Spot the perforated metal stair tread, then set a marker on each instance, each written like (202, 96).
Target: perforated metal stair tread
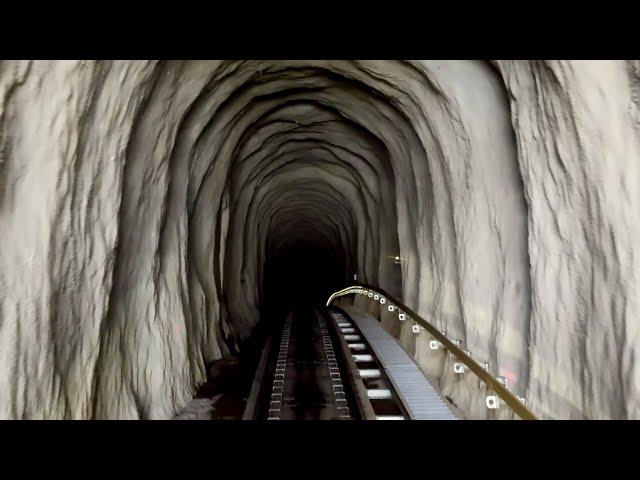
(418, 395)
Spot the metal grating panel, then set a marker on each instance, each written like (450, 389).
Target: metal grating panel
(418, 395)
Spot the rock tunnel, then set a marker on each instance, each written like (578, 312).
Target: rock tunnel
(154, 214)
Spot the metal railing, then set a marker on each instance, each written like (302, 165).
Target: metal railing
(403, 311)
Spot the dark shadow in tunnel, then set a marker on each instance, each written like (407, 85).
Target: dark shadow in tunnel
(301, 274)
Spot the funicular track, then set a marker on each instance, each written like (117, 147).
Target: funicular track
(314, 371)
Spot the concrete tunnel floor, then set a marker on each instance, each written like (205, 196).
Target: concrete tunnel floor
(154, 215)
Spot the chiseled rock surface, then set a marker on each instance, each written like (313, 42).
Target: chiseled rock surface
(140, 199)
(578, 130)
(197, 409)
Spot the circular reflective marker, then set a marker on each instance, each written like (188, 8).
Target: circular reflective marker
(492, 402)
(402, 317)
(382, 300)
(370, 294)
(458, 367)
(415, 328)
(376, 297)
(391, 308)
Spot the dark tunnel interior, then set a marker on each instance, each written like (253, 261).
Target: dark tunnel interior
(302, 273)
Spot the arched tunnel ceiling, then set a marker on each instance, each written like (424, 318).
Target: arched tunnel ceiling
(164, 187)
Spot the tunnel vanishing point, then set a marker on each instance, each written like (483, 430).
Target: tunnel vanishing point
(161, 219)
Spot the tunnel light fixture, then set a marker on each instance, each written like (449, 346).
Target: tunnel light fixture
(370, 294)
(402, 316)
(415, 328)
(391, 308)
(376, 297)
(396, 259)
(383, 300)
(435, 345)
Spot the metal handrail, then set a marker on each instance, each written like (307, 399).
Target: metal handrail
(505, 395)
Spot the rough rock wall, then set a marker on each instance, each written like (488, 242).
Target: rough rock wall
(578, 132)
(140, 199)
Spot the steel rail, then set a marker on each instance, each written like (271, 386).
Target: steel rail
(505, 395)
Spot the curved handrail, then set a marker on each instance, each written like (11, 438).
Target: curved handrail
(504, 394)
